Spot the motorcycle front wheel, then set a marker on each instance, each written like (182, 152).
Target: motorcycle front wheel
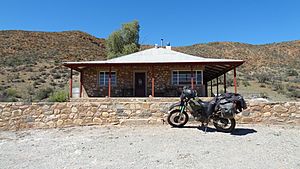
(226, 125)
(177, 119)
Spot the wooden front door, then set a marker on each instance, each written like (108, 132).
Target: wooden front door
(140, 84)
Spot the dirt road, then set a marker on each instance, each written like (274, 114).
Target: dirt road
(250, 146)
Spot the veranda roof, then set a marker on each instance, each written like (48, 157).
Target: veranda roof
(213, 67)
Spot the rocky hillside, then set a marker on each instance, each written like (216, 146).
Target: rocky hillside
(31, 61)
(275, 55)
(273, 66)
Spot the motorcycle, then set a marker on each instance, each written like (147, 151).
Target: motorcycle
(220, 110)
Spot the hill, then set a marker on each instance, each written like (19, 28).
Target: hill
(275, 55)
(273, 68)
(31, 61)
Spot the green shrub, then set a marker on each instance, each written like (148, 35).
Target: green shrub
(43, 93)
(294, 94)
(264, 95)
(59, 96)
(262, 85)
(56, 76)
(292, 72)
(11, 92)
(246, 83)
(263, 77)
(277, 86)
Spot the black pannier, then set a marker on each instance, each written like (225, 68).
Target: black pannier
(230, 104)
(227, 108)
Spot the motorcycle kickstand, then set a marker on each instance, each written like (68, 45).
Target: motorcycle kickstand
(205, 126)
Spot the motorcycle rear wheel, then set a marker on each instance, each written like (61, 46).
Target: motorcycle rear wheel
(175, 120)
(226, 125)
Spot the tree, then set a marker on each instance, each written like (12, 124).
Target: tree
(123, 41)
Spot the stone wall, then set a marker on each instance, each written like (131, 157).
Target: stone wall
(15, 116)
(125, 80)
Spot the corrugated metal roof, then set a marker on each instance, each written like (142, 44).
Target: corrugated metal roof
(156, 55)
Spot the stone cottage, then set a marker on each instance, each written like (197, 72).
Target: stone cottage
(157, 71)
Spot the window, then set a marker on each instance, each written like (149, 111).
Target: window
(103, 78)
(184, 77)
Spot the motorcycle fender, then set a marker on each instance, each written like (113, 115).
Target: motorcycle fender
(174, 105)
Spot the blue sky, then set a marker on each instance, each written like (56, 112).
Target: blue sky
(179, 22)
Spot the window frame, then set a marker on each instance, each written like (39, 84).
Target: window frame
(195, 77)
(106, 73)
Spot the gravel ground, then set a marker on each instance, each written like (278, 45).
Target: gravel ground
(250, 146)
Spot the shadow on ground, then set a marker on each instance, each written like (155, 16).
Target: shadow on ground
(236, 131)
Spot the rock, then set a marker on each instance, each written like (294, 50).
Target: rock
(46, 107)
(287, 105)
(87, 104)
(24, 107)
(51, 124)
(253, 102)
(68, 122)
(2, 124)
(74, 110)
(127, 112)
(138, 106)
(56, 111)
(94, 109)
(280, 109)
(256, 108)
(65, 111)
(245, 113)
(72, 115)
(51, 118)
(89, 114)
(266, 108)
(63, 116)
(60, 105)
(247, 120)
(40, 124)
(87, 120)
(138, 112)
(48, 112)
(154, 106)
(104, 114)
(81, 114)
(284, 115)
(78, 121)
(145, 106)
(97, 120)
(59, 123)
(292, 109)
(103, 106)
(29, 118)
(132, 106)
(120, 106)
(16, 113)
(6, 114)
(267, 114)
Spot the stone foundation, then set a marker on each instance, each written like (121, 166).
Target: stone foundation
(15, 116)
